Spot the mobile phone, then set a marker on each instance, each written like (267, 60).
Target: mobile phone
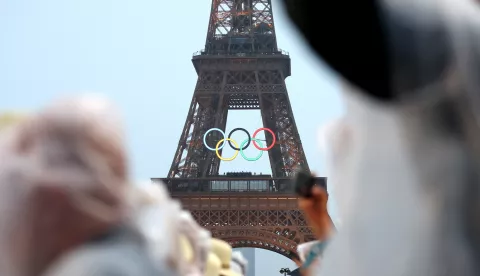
(304, 181)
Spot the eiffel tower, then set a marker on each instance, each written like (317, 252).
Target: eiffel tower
(241, 68)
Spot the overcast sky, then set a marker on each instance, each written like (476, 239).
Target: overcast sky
(138, 53)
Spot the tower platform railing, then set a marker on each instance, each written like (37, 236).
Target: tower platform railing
(223, 184)
(280, 52)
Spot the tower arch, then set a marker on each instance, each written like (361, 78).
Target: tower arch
(260, 239)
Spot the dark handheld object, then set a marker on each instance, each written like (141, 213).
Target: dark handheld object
(304, 181)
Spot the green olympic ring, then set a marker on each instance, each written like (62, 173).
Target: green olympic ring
(248, 141)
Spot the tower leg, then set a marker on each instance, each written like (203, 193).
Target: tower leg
(287, 154)
(192, 158)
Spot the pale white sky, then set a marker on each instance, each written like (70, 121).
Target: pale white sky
(138, 52)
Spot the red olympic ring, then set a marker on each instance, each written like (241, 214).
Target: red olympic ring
(265, 129)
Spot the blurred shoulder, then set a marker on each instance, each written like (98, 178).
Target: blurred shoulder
(119, 258)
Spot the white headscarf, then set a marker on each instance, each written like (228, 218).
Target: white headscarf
(338, 139)
(63, 175)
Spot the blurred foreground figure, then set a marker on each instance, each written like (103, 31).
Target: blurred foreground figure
(313, 198)
(414, 118)
(64, 208)
(336, 142)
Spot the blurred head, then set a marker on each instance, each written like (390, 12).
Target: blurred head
(62, 182)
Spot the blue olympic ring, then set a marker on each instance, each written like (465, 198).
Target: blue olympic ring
(205, 138)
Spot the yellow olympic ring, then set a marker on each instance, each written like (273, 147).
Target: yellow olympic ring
(227, 159)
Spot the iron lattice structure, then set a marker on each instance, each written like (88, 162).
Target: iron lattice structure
(242, 68)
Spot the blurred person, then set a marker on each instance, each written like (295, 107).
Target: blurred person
(64, 209)
(334, 139)
(414, 117)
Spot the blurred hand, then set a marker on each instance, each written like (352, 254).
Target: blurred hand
(315, 209)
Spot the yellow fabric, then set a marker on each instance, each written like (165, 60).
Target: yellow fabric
(8, 119)
(214, 265)
(224, 252)
(186, 248)
(228, 272)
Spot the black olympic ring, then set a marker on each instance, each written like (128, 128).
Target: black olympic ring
(230, 136)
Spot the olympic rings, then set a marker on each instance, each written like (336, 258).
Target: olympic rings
(271, 132)
(247, 158)
(243, 146)
(218, 154)
(205, 138)
(230, 136)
